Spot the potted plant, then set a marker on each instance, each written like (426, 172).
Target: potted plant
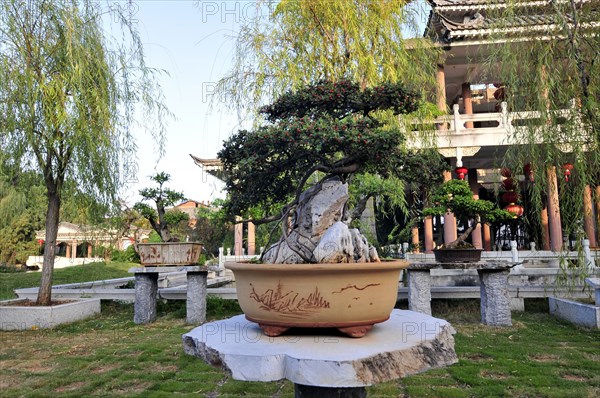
(456, 196)
(315, 142)
(170, 251)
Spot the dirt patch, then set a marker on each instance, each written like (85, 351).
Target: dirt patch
(476, 357)
(159, 368)
(570, 377)
(32, 365)
(103, 369)
(71, 387)
(544, 358)
(31, 303)
(134, 388)
(493, 375)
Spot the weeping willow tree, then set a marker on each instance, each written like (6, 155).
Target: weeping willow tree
(552, 68)
(69, 94)
(309, 41)
(302, 42)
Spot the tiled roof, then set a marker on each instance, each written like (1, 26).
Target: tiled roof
(453, 20)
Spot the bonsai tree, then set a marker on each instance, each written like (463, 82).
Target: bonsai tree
(297, 166)
(456, 196)
(160, 219)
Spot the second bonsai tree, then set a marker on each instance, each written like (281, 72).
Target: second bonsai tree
(456, 196)
(159, 217)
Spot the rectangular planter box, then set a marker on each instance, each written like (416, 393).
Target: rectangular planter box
(587, 315)
(20, 318)
(170, 253)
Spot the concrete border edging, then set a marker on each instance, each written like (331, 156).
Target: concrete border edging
(587, 315)
(20, 318)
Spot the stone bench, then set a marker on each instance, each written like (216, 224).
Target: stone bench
(326, 365)
(493, 290)
(146, 289)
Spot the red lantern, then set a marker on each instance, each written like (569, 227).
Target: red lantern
(40, 241)
(567, 167)
(508, 184)
(510, 197)
(516, 210)
(461, 172)
(528, 171)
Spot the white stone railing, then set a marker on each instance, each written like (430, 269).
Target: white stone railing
(541, 257)
(225, 255)
(496, 128)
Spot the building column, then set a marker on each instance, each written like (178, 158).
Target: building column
(476, 237)
(545, 229)
(588, 216)
(74, 249)
(450, 234)
(554, 220)
(251, 239)
(467, 102)
(597, 198)
(238, 238)
(487, 237)
(68, 253)
(415, 239)
(428, 234)
(89, 250)
(441, 89)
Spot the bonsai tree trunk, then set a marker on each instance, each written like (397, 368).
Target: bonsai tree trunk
(462, 238)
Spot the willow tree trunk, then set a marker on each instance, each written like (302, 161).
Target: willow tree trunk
(45, 291)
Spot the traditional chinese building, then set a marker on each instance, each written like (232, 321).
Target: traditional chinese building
(476, 134)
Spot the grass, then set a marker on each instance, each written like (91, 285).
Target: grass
(79, 273)
(111, 356)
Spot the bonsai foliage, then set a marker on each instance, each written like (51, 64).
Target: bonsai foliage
(325, 129)
(160, 219)
(456, 196)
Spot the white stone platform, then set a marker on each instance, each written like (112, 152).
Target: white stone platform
(408, 343)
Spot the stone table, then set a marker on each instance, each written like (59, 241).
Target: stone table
(146, 290)
(493, 278)
(322, 365)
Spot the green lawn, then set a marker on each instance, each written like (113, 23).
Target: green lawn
(111, 356)
(79, 273)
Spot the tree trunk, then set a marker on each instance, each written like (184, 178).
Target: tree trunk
(45, 291)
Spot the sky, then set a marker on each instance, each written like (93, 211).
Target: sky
(192, 41)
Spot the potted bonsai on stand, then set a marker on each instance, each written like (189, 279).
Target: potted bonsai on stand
(170, 251)
(456, 196)
(316, 141)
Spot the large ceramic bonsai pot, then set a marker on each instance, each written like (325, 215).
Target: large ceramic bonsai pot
(349, 297)
(169, 253)
(460, 255)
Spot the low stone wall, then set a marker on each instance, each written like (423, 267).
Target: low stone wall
(14, 317)
(587, 315)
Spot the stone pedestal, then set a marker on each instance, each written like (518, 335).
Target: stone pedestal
(323, 365)
(493, 279)
(495, 301)
(196, 298)
(419, 291)
(146, 290)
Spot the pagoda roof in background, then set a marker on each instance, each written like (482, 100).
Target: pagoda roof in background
(211, 166)
(460, 21)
